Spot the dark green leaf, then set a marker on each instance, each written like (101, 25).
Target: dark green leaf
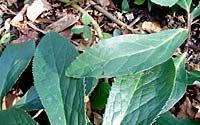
(87, 33)
(13, 62)
(139, 2)
(61, 96)
(77, 29)
(14, 116)
(149, 5)
(99, 96)
(138, 99)
(192, 76)
(169, 119)
(127, 54)
(165, 2)
(180, 85)
(30, 101)
(125, 6)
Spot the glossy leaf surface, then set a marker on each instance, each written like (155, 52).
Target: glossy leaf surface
(126, 54)
(138, 99)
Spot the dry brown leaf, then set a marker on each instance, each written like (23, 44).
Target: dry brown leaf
(63, 23)
(104, 3)
(151, 27)
(36, 8)
(9, 100)
(186, 109)
(98, 119)
(28, 35)
(19, 17)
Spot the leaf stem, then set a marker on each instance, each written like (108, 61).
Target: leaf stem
(110, 16)
(94, 23)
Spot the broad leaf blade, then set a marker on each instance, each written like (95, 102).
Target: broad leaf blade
(180, 85)
(61, 96)
(185, 4)
(13, 62)
(137, 99)
(169, 119)
(165, 2)
(14, 116)
(126, 54)
(30, 101)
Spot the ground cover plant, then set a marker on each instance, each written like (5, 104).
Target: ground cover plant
(147, 80)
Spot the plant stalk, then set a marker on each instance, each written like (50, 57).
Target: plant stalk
(94, 23)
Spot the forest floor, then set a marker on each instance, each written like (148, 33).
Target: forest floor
(24, 21)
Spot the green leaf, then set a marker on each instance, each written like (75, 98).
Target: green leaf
(5, 38)
(196, 12)
(180, 85)
(1, 20)
(85, 19)
(185, 4)
(13, 61)
(169, 119)
(106, 35)
(14, 116)
(90, 84)
(165, 2)
(99, 96)
(77, 29)
(138, 99)
(30, 101)
(139, 2)
(149, 5)
(193, 76)
(87, 33)
(127, 54)
(61, 96)
(125, 6)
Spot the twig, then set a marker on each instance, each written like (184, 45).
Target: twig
(197, 48)
(110, 16)
(94, 23)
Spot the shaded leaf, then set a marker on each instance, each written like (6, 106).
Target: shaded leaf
(139, 2)
(192, 76)
(99, 96)
(13, 61)
(63, 97)
(165, 2)
(126, 54)
(169, 119)
(14, 116)
(138, 99)
(90, 84)
(5, 38)
(180, 85)
(30, 101)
